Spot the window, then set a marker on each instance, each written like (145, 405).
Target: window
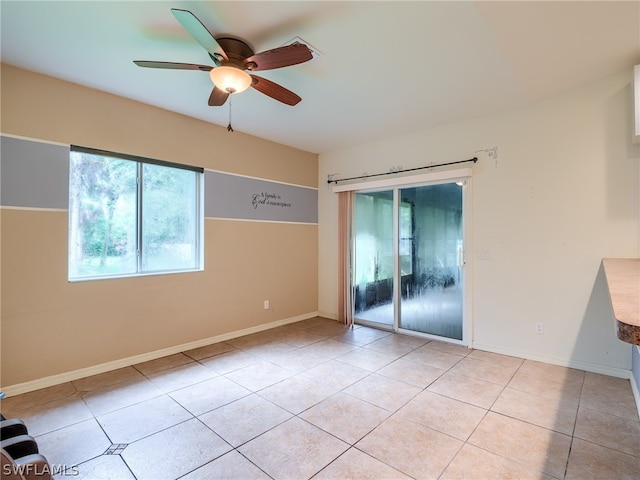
(132, 216)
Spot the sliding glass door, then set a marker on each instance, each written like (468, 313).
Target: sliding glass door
(431, 260)
(373, 268)
(408, 259)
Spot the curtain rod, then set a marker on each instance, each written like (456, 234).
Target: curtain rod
(474, 160)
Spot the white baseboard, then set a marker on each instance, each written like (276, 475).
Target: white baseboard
(636, 392)
(17, 389)
(570, 363)
(634, 382)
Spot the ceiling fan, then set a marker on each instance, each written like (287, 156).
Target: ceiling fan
(232, 59)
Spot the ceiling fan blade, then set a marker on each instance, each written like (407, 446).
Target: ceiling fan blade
(278, 57)
(217, 97)
(275, 91)
(172, 65)
(198, 31)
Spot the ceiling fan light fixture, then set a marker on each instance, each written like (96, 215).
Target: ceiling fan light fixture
(230, 79)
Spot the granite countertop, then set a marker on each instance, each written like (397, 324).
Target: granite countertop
(623, 279)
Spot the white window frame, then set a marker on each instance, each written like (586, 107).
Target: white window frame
(199, 213)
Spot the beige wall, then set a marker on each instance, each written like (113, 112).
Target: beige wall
(562, 194)
(51, 327)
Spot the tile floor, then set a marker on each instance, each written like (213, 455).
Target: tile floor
(317, 400)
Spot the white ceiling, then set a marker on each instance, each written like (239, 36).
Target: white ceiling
(386, 68)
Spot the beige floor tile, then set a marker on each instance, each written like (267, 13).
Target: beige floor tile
(360, 336)
(433, 358)
(612, 431)
(604, 382)
(259, 375)
(466, 389)
(609, 394)
(252, 340)
(163, 363)
(230, 466)
(104, 467)
(182, 376)
(534, 446)
(174, 452)
(269, 350)
(563, 373)
(51, 416)
(276, 333)
(22, 403)
(557, 388)
(296, 394)
(327, 329)
(337, 374)
(593, 462)
(346, 417)
(544, 412)
(493, 372)
(142, 419)
(299, 338)
(406, 402)
(414, 340)
(496, 358)
(230, 361)
(117, 396)
(449, 348)
(368, 359)
(73, 444)
(210, 350)
(444, 414)
(107, 379)
(245, 419)
(305, 450)
(328, 347)
(270, 334)
(357, 465)
(208, 395)
(297, 362)
(406, 371)
(426, 452)
(315, 322)
(473, 463)
(397, 344)
(383, 392)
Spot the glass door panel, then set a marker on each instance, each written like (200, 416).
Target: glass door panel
(430, 248)
(373, 268)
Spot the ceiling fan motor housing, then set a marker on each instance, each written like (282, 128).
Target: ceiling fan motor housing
(237, 50)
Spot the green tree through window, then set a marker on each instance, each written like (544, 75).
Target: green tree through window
(131, 216)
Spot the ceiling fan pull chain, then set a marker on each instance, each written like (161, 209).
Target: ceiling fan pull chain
(229, 127)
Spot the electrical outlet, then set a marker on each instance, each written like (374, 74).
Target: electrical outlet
(539, 328)
(266, 304)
